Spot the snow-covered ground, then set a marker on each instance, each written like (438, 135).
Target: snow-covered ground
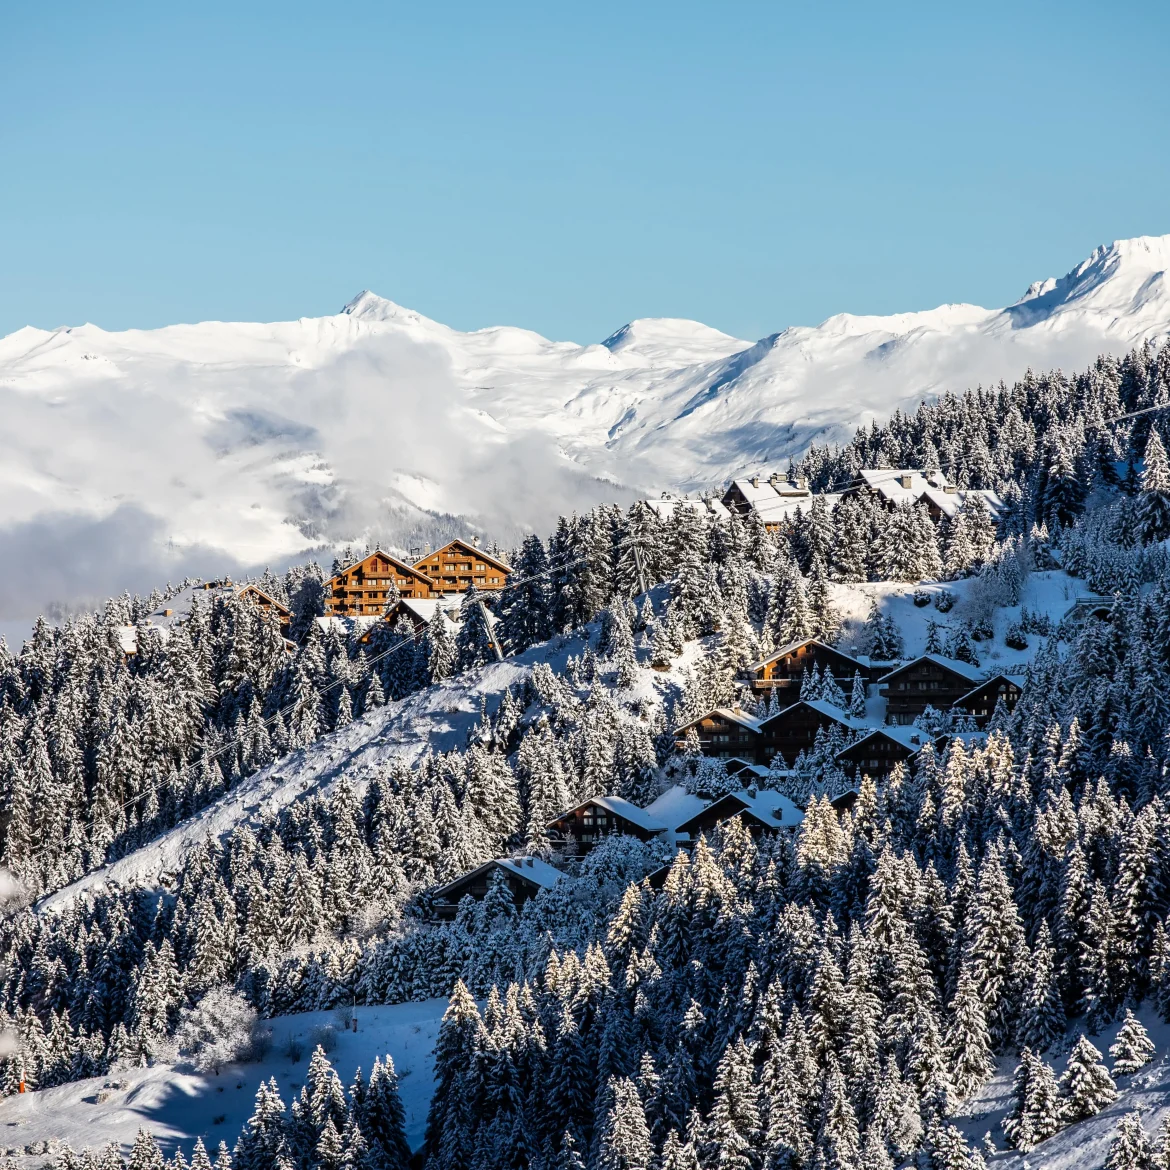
(179, 1106)
(211, 447)
(1085, 1145)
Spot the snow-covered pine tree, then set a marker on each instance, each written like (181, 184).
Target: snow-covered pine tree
(1133, 1048)
(1086, 1086)
(1153, 503)
(1131, 1148)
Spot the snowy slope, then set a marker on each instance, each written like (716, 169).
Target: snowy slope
(178, 1105)
(1083, 1146)
(438, 718)
(141, 454)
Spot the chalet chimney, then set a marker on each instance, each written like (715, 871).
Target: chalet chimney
(950, 489)
(906, 480)
(802, 483)
(755, 481)
(528, 862)
(774, 478)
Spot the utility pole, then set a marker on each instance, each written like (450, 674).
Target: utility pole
(491, 633)
(641, 569)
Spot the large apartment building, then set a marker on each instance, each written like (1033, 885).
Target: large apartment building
(457, 566)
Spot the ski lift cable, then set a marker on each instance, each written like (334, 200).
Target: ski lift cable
(1135, 413)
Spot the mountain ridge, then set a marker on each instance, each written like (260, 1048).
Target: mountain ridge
(225, 445)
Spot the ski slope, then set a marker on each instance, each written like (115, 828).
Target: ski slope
(135, 456)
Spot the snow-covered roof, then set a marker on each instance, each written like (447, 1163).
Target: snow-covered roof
(912, 738)
(423, 608)
(985, 682)
(766, 805)
(791, 646)
(529, 869)
(829, 710)
(772, 808)
(734, 714)
(619, 807)
(950, 502)
(664, 507)
(758, 489)
(901, 484)
(974, 673)
(676, 805)
(532, 869)
(128, 636)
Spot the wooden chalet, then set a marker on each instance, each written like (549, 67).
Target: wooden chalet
(457, 566)
(980, 702)
(726, 733)
(526, 877)
(843, 802)
(929, 681)
(763, 811)
(907, 485)
(793, 730)
(773, 499)
(783, 669)
(258, 597)
(576, 832)
(363, 588)
(875, 754)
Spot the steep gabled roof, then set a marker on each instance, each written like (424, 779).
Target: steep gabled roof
(829, 710)
(735, 714)
(963, 669)
(784, 651)
(995, 678)
(665, 506)
(243, 589)
(676, 806)
(914, 739)
(400, 566)
(470, 550)
(619, 807)
(529, 869)
(770, 808)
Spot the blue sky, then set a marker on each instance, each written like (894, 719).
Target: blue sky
(564, 166)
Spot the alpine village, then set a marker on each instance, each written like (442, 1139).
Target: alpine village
(814, 823)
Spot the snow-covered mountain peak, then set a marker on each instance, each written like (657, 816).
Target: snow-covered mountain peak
(223, 442)
(669, 339)
(368, 306)
(1122, 279)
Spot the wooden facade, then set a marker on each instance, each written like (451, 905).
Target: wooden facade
(457, 566)
(980, 702)
(784, 669)
(793, 730)
(268, 604)
(725, 734)
(929, 681)
(875, 754)
(762, 812)
(576, 832)
(363, 588)
(525, 876)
